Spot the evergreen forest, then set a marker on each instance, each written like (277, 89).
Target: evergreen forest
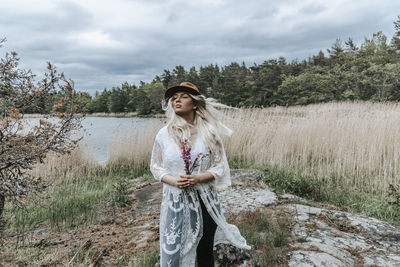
(344, 72)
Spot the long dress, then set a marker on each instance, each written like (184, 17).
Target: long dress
(180, 215)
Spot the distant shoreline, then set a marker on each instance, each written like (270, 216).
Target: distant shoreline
(103, 114)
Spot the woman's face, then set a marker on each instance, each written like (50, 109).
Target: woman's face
(182, 103)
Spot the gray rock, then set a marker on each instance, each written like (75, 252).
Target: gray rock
(313, 258)
(292, 197)
(324, 237)
(387, 260)
(246, 177)
(335, 238)
(237, 199)
(147, 199)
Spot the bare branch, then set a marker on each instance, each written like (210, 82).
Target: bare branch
(21, 148)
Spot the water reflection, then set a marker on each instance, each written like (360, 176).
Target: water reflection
(99, 132)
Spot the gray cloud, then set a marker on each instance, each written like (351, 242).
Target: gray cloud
(100, 45)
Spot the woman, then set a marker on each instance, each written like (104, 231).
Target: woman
(189, 158)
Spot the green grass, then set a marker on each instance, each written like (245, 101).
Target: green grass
(147, 258)
(240, 164)
(331, 190)
(340, 195)
(75, 201)
(268, 235)
(22, 253)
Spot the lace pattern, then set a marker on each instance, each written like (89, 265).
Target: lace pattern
(181, 219)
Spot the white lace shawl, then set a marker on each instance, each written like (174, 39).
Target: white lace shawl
(180, 215)
(166, 159)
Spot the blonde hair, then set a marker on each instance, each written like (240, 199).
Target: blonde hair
(207, 119)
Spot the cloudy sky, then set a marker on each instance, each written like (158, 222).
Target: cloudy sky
(100, 44)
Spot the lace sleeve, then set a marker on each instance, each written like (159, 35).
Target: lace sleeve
(220, 170)
(156, 162)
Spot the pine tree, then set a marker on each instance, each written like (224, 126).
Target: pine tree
(395, 42)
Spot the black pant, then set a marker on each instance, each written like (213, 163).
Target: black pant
(205, 254)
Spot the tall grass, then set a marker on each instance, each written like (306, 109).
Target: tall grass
(57, 168)
(352, 145)
(333, 152)
(133, 150)
(327, 149)
(76, 191)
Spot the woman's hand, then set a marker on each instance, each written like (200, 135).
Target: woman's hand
(187, 180)
(181, 182)
(192, 179)
(175, 181)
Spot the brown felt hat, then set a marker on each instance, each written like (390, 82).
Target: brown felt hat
(182, 87)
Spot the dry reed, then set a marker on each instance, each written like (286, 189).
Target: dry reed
(133, 149)
(59, 167)
(344, 144)
(354, 145)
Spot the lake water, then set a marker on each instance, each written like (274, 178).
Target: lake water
(99, 132)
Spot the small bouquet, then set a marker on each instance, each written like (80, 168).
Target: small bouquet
(189, 167)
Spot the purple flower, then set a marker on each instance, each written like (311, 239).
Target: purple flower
(189, 165)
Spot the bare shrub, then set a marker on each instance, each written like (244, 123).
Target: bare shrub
(22, 147)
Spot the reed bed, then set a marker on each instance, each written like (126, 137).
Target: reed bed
(133, 150)
(76, 189)
(60, 167)
(343, 147)
(353, 145)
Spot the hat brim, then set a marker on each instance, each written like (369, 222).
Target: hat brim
(179, 88)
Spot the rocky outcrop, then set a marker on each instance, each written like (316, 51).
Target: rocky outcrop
(247, 193)
(322, 237)
(2, 200)
(335, 238)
